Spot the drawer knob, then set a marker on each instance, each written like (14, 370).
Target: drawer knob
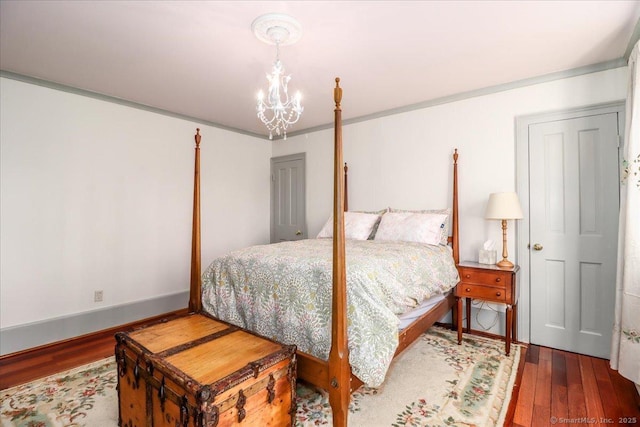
(467, 276)
(498, 294)
(498, 279)
(467, 290)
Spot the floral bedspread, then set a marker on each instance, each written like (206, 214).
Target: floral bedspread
(283, 291)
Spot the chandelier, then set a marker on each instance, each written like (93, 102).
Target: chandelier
(277, 110)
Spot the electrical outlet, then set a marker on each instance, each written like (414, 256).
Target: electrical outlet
(97, 296)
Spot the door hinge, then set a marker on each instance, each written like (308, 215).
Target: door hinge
(619, 140)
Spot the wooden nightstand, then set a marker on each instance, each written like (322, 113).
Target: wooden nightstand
(489, 283)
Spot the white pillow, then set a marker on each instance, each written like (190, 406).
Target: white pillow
(411, 227)
(444, 237)
(357, 225)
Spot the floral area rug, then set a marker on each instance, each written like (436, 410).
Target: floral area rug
(85, 396)
(435, 382)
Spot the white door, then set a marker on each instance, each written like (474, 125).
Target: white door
(574, 206)
(288, 213)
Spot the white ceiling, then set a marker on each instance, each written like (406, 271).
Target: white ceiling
(201, 59)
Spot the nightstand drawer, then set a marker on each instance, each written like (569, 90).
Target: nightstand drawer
(466, 290)
(488, 278)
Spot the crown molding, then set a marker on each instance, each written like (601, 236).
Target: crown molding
(635, 36)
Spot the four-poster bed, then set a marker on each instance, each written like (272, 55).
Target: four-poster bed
(335, 374)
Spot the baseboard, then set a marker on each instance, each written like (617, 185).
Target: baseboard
(18, 338)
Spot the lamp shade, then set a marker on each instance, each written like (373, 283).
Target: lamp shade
(503, 206)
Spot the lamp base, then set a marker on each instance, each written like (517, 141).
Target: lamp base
(505, 263)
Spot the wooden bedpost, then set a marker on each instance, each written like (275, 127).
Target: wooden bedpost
(195, 300)
(346, 188)
(454, 233)
(339, 368)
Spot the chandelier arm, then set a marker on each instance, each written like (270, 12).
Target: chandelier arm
(279, 120)
(268, 122)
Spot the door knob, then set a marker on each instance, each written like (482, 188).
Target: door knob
(537, 247)
(298, 233)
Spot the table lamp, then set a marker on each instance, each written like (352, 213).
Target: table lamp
(504, 206)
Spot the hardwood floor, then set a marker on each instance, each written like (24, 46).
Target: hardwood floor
(556, 385)
(559, 388)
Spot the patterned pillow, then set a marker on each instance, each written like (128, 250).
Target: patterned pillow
(411, 227)
(444, 238)
(357, 225)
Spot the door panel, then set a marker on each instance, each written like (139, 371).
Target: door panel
(288, 214)
(555, 273)
(574, 201)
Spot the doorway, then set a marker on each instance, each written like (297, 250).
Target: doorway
(568, 180)
(288, 193)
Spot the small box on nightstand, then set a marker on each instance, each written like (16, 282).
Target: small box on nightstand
(487, 257)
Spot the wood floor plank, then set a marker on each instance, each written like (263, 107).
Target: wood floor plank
(575, 392)
(542, 399)
(590, 386)
(607, 393)
(532, 354)
(559, 402)
(524, 410)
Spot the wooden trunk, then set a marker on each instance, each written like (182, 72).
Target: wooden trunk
(197, 371)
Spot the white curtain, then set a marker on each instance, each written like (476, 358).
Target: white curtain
(625, 348)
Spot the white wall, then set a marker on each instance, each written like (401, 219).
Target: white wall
(97, 196)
